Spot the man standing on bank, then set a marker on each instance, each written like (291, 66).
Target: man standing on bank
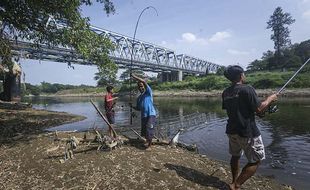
(241, 103)
(148, 112)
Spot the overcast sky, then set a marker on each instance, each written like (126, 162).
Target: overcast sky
(223, 32)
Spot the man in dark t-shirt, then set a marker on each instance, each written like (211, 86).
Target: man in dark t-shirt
(241, 103)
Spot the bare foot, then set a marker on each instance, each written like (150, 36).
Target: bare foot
(148, 148)
(232, 186)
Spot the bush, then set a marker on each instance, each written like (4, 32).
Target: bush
(260, 80)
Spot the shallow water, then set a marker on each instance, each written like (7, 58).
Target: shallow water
(286, 134)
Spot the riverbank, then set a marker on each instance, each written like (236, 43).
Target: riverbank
(32, 161)
(17, 123)
(218, 93)
(302, 92)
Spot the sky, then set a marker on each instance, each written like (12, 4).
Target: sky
(224, 32)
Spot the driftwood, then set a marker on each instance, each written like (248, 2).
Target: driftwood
(173, 142)
(103, 142)
(140, 137)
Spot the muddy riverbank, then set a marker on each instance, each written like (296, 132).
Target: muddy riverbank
(31, 159)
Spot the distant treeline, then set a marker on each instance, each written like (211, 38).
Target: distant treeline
(48, 88)
(289, 59)
(259, 80)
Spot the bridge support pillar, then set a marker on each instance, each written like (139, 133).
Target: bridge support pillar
(180, 75)
(171, 76)
(165, 77)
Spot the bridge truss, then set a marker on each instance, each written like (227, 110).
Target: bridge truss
(146, 56)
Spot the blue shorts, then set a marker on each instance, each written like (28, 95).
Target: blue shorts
(147, 127)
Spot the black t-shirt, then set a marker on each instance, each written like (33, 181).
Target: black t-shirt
(240, 102)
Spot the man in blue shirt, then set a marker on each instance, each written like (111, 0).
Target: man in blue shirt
(148, 112)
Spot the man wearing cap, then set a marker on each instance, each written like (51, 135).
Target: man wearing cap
(241, 103)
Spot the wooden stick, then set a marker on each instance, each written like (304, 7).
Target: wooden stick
(142, 138)
(156, 138)
(105, 119)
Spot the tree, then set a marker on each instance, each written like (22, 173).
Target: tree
(277, 23)
(27, 20)
(48, 87)
(303, 50)
(220, 71)
(257, 65)
(106, 75)
(32, 89)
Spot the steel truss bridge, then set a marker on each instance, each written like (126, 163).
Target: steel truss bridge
(146, 56)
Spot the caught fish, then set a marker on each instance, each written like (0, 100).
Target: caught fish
(175, 139)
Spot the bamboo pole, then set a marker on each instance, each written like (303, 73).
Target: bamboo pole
(105, 119)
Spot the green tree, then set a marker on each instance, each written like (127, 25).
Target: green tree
(256, 65)
(48, 87)
(31, 89)
(220, 71)
(28, 20)
(289, 60)
(278, 23)
(303, 50)
(106, 75)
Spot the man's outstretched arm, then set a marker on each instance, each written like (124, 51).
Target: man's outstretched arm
(138, 79)
(264, 105)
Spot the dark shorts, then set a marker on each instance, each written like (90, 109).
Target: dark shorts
(147, 127)
(110, 117)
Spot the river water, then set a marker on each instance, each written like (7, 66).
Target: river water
(286, 134)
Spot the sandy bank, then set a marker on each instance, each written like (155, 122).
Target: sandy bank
(32, 161)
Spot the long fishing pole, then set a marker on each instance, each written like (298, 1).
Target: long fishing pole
(131, 56)
(274, 108)
(283, 87)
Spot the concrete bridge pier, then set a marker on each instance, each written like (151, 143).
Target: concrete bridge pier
(171, 76)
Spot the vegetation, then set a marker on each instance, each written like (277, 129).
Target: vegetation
(277, 23)
(286, 57)
(48, 88)
(290, 60)
(259, 80)
(29, 20)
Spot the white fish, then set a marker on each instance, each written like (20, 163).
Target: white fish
(175, 139)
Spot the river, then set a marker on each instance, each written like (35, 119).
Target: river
(286, 133)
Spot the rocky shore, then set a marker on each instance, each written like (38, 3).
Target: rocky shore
(31, 159)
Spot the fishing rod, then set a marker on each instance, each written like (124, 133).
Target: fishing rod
(274, 108)
(131, 57)
(279, 91)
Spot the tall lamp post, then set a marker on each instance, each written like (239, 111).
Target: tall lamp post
(131, 55)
